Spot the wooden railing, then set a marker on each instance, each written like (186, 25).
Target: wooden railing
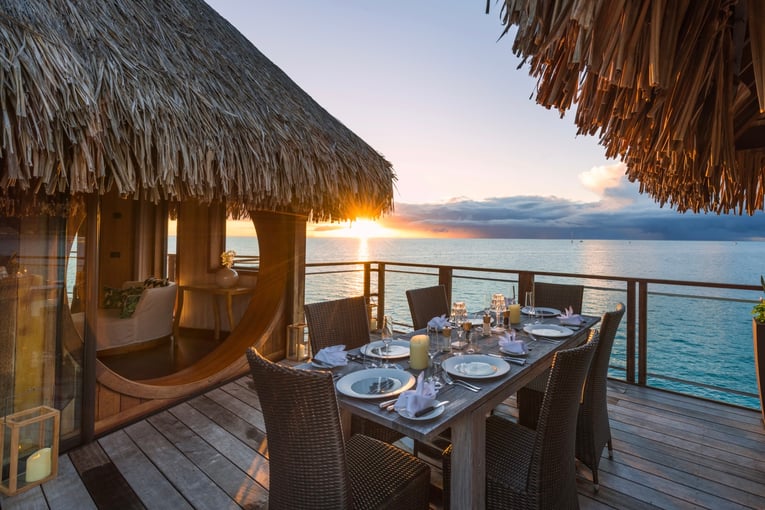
(664, 319)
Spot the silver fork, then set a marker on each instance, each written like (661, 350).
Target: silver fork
(449, 381)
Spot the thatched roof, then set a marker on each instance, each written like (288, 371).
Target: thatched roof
(167, 100)
(675, 88)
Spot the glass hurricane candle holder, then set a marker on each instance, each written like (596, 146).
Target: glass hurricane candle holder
(28, 448)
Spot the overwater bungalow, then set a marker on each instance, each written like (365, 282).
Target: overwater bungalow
(116, 118)
(119, 116)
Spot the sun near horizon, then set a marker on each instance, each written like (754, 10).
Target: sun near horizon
(358, 229)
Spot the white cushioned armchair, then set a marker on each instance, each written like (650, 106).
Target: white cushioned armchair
(151, 320)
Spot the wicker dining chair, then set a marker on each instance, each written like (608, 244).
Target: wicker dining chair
(426, 303)
(344, 321)
(339, 321)
(549, 295)
(311, 465)
(559, 296)
(592, 429)
(535, 469)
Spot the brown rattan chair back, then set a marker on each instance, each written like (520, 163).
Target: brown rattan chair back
(307, 463)
(426, 303)
(552, 475)
(310, 465)
(593, 431)
(344, 321)
(340, 321)
(558, 296)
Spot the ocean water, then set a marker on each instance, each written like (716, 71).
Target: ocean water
(698, 339)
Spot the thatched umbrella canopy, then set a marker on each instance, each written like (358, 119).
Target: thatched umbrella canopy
(676, 89)
(166, 100)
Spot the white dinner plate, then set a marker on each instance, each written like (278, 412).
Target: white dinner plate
(375, 383)
(541, 311)
(476, 321)
(548, 330)
(475, 366)
(438, 411)
(398, 349)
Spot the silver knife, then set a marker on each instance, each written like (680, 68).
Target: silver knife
(510, 359)
(427, 410)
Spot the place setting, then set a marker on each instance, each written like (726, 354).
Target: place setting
(395, 349)
(373, 383)
(475, 366)
(420, 403)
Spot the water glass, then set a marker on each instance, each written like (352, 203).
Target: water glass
(528, 302)
(446, 342)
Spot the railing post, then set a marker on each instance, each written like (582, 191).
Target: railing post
(367, 280)
(380, 292)
(630, 340)
(445, 279)
(525, 283)
(643, 333)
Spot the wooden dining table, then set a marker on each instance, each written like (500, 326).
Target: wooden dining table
(466, 411)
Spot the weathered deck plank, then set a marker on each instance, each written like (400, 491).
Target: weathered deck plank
(156, 491)
(236, 483)
(230, 446)
(188, 479)
(670, 451)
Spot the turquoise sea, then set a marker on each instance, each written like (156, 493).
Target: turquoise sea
(697, 335)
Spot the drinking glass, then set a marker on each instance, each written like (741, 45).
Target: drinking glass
(434, 348)
(528, 302)
(386, 335)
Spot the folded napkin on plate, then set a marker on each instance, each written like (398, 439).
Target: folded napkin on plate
(422, 397)
(509, 345)
(334, 356)
(438, 322)
(569, 317)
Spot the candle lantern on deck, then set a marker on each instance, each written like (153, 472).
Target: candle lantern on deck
(298, 348)
(28, 448)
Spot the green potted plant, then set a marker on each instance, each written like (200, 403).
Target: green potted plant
(758, 336)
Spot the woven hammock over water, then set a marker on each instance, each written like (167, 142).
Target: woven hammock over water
(674, 88)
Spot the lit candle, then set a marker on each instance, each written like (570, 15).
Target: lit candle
(38, 465)
(515, 313)
(418, 352)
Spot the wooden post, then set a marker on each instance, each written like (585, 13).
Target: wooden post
(445, 278)
(758, 337)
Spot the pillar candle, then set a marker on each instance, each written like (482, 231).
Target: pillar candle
(515, 313)
(418, 352)
(38, 465)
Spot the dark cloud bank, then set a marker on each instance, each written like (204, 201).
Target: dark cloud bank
(617, 216)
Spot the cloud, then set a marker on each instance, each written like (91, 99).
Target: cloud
(599, 178)
(621, 213)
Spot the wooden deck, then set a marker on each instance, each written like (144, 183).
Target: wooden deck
(670, 452)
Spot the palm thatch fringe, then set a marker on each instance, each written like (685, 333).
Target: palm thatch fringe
(666, 85)
(166, 100)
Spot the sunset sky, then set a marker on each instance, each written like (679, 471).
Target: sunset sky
(431, 87)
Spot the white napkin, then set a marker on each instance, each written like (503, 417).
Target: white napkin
(509, 345)
(438, 322)
(569, 317)
(423, 396)
(333, 356)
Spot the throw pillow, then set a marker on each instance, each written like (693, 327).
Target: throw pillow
(112, 298)
(129, 302)
(152, 282)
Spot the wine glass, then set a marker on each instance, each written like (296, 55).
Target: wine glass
(433, 350)
(528, 302)
(386, 335)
